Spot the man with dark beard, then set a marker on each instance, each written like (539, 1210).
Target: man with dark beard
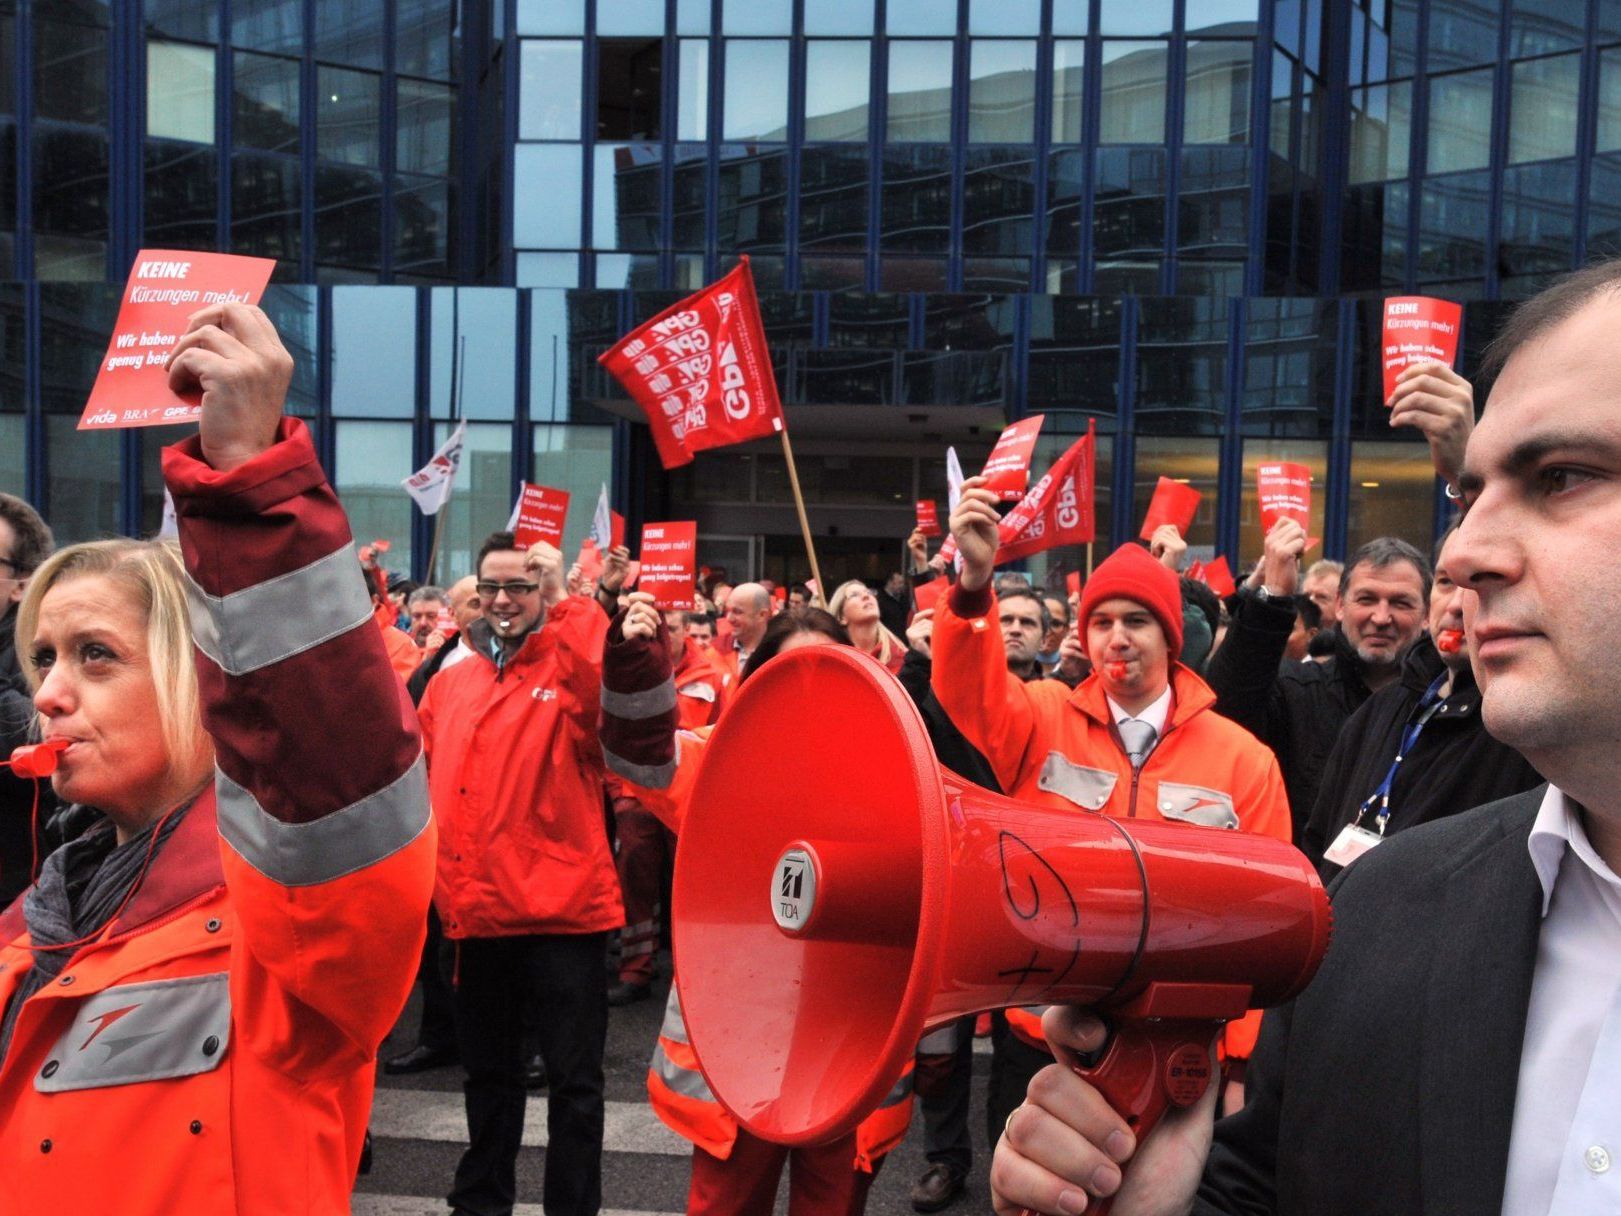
(1298, 709)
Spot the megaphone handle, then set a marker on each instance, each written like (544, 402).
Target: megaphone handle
(1148, 1067)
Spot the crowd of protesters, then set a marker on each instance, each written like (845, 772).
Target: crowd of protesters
(564, 720)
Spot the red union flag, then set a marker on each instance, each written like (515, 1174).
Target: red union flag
(701, 372)
(1058, 508)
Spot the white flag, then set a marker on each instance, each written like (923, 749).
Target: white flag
(602, 524)
(170, 528)
(517, 511)
(430, 485)
(954, 479)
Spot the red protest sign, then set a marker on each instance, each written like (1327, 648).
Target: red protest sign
(700, 370)
(1284, 491)
(669, 560)
(165, 287)
(541, 511)
(1219, 577)
(1072, 582)
(1007, 468)
(1057, 510)
(928, 594)
(1174, 502)
(928, 517)
(616, 530)
(1418, 329)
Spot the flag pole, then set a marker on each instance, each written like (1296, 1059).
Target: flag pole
(804, 521)
(457, 367)
(1088, 559)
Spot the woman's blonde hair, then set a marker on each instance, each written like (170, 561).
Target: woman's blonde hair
(888, 643)
(151, 574)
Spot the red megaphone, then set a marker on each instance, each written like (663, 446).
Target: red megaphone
(837, 894)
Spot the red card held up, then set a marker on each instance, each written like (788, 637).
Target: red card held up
(1174, 502)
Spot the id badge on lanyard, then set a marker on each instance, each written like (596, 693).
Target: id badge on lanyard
(1351, 843)
(1354, 840)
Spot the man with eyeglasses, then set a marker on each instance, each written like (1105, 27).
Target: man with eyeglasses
(526, 885)
(25, 542)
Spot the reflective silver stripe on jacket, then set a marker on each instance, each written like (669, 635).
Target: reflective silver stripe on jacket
(1085, 787)
(646, 704)
(282, 616)
(305, 854)
(134, 1033)
(648, 776)
(687, 1082)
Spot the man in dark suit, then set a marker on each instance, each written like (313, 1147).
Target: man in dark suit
(1460, 1050)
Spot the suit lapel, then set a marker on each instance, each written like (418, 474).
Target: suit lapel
(1474, 1021)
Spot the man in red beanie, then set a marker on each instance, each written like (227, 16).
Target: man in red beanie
(1137, 739)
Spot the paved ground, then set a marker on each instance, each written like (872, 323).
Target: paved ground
(419, 1130)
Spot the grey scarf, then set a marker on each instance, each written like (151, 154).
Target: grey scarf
(80, 886)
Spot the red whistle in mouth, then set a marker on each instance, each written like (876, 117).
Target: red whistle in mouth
(1449, 641)
(1116, 669)
(37, 759)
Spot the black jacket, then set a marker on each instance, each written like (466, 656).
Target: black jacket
(951, 748)
(1453, 765)
(1296, 709)
(1387, 1088)
(428, 668)
(892, 612)
(16, 794)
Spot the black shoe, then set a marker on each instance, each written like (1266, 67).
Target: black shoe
(419, 1059)
(624, 993)
(534, 1073)
(938, 1188)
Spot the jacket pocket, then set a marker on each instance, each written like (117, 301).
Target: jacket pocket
(1196, 804)
(1085, 787)
(142, 1032)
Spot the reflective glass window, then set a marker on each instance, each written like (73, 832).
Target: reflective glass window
(1462, 33)
(550, 17)
(1004, 18)
(756, 105)
(998, 201)
(1381, 123)
(1134, 92)
(348, 217)
(1312, 454)
(1290, 354)
(1071, 18)
(1135, 17)
(1181, 366)
(1452, 219)
(626, 196)
(549, 90)
(1069, 69)
(1460, 122)
(548, 270)
(1001, 91)
(1218, 100)
(1129, 208)
(266, 194)
(424, 217)
(630, 87)
(834, 186)
(838, 17)
(83, 482)
(70, 204)
(1542, 108)
(374, 339)
(690, 173)
(425, 38)
(265, 102)
(1222, 18)
(1213, 205)
(350, 32)
(13, 454)
(578, 459)
(1374, 243)
(628, 18)
(1608, 134)
(757, 17)
(692, 83)
(1194, 462)
(911, 17)
(693, 16)
(366, 475)
(198, 20)
(751, 204)
(293, 309)
(1537, 233)
(475, 331)
(348, 107)
(916, 198)
(837, 87)
(180, 92)
(1540, 26)
(546, 196)
(70, 71)
(268, 25)
(181, 195)
(425, 129)
(919, 92)
(1392, 494)
(1075, 352)
(75, 319)
(1066, 191)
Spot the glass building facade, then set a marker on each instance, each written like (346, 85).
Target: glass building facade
(1174, 217)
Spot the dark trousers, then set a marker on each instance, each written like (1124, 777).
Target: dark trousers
(563, 978)
(644, 852)
(822, 1179)
(943, 1081)
(438, 1001)
(1013, 1063)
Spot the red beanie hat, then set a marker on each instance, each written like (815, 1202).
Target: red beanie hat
(1131, 573)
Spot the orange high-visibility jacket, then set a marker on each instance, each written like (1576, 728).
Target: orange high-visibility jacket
(1051, 746)
(517, 781)
(213, 1049)
(700, 687)
(659, 768)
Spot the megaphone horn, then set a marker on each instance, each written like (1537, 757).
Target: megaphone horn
(837, 894)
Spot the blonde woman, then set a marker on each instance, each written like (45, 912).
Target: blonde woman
(196, 986)
(855, 606)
